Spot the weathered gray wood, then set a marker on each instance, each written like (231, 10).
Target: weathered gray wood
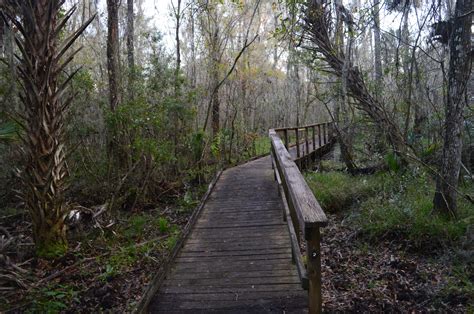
(232, 246)
(232, 274)
(325, 137)
(319, 135)
(170, 297)
(157, 280)
(298, 154)
(299, 201)
(239, 246)
(314, 137)
(313, 252)
(252, 259)
(233, 281)
(289, 287)
(310, 213)
(306, 135)
(240, 304)
(224, 265)
(295, 247)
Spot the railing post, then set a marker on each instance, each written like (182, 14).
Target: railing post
(324, 134)
(307, 140)
(286, 138)
(297, 143)
(331, 133)
(319, 134)
(313, 251)
(314, 138)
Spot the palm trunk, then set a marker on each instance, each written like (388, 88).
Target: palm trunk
(44, 145)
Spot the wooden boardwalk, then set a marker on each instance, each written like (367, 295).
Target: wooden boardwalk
(237, 258)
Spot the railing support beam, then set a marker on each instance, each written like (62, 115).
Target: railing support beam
(302, 210)
(313, 252)
(298, 154)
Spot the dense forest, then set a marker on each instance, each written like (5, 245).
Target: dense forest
(115, 119)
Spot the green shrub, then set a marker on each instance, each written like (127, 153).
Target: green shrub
(336, 191)
(136, 226)
(52, 299)
(460, 284)
(262, 145)
(405, 212)
(171, 241)
(395, 206)
(163, 224)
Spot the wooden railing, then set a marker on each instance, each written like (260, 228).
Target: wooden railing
(307, 146)
(302, 211)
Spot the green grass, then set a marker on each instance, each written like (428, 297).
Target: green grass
(262, 145)
(53, 298)
(163, 224)
(133, 242)
(337, 191)
(461, 284)
(396, 206)
(405, 210)
(136, 227)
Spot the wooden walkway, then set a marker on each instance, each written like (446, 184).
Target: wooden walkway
(237, 258)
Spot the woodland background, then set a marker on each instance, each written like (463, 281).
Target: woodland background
(151, 120)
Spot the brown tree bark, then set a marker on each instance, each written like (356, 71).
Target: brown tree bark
(130, 48)
(215, 102)
(40, 71)
(445, 199)
(115, 149)
(177, 13)
(113, 53)
(377, 48)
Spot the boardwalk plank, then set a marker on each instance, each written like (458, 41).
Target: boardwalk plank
(237, 258)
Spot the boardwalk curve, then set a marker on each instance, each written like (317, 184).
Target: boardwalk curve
(237, 258)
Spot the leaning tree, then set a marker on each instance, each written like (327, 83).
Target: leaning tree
(44, 81)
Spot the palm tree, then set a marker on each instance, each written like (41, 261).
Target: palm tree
(43, 89)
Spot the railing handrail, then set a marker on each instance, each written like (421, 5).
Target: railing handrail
(300, 127)
(301, 208)
(310, 213)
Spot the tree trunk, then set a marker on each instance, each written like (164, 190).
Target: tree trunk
(178, 48)
(40, 71)
(317, 25)
(215, 82)
(341, 111)
(130, 48)
(458, 76)
(114, 148)
(377, 49)
(113, 53)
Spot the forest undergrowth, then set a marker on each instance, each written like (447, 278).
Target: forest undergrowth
(111, 260)
(384, 250)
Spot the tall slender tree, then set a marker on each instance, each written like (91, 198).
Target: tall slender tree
(177, 14)
(114, 148)
(43, 90)
(113, 53)
(460, 63)
(377, 47)
(130, 47)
